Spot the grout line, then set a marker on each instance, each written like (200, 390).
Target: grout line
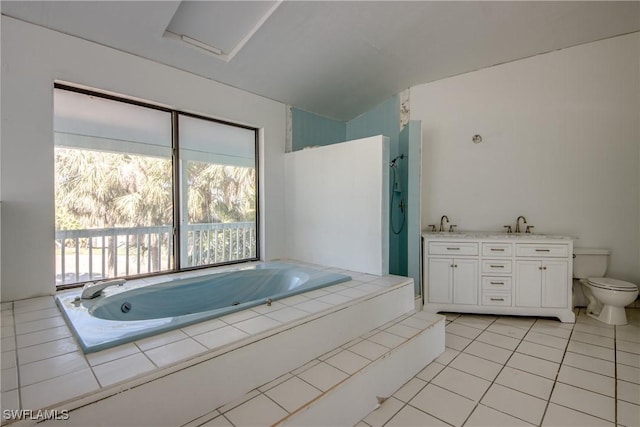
(615, 373)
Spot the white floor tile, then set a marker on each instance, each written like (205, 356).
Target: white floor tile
(39, 337)
(443, 404)
(272, 384)
(629, 359)
(383, 413)
(547, 340)
(266, 309)
(498, 340)
(161, 339)
(411, 417)
(30, 316)
(52, 367)
(594, 330)
(313, 306)
(517, 321)
(334, 299)
(587, 380)
(541, 351)
(456, 342)
(461, 383)
(387, 339)
(39, 325)
(33, 304)
(7, 344)
(525, 382)
(112, 353)
(628, 414)
(369, 349)
(237, 402)
(291, 301)
(476, 321)
(476, 366)
(584, 401)
(202, 327)
(592, 339)
(347, 361)
(416, 322)
(403, 330)
(515, 403)
(483, 416)
(259, 411)
(554, 330)
(256, 325)
(287, 314)
(629, 392)
(219, 421)
(221, 336)
(591, 350)
(122, 369)
(9, 379)
(293, 393)
(239, 316)
(628, 346)
(10, 400)
(489, 352)
(46, 350)
(323, 376)
(629, 373)
(57, 389)
(409, 389)
(507, 330)
(462, 330)
(560, 416)
(430, 371)
(592, 364)
(447, 356)
(8, 359)
(534, 365)
(175, 352)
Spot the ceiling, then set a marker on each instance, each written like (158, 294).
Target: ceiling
(337, 59)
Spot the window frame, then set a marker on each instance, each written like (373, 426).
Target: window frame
(177, 181)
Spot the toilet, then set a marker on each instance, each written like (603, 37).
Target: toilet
(606, 297)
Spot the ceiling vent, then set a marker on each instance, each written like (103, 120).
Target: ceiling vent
(219, 28)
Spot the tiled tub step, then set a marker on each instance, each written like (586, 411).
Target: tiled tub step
(186, 390)
(343, 385)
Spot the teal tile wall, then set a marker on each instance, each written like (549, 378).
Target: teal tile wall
(308, 130)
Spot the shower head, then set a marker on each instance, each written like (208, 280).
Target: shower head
(393, 162)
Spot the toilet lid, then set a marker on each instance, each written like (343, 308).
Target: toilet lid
(613, 284)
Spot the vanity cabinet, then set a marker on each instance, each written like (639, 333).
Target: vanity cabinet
(523, 274)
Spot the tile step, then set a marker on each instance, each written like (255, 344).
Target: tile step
(343, 385)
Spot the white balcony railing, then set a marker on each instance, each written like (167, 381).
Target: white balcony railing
(84, 255)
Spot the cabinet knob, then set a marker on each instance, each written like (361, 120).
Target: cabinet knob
(544, 268)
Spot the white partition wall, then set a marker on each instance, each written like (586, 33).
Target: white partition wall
(338, 205)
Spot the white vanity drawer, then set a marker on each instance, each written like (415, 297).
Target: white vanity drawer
(496, 283)
(545, 250)
(496, 266)
(497, 249)
(496, 298)
(453, 248)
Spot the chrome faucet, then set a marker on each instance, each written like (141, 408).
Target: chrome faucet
(524, 221)
(442, 222)
(92, 290)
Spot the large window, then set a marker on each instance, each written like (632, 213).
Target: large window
(144, 190)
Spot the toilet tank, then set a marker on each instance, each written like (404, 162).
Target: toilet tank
(590, 262)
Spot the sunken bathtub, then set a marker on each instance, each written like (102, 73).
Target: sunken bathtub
(125, 315)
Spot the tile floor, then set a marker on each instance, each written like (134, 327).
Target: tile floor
(275, 400)
(42, 364)
(513, 371)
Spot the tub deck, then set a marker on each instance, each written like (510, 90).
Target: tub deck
(43, 366)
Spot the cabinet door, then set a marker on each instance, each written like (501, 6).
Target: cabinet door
(465, 281)
(440, 278)
(528, 283)
(554, 283)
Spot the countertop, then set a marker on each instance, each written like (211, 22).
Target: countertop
(491, 235)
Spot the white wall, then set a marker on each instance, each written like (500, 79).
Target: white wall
(338, 205)
(32, 58)
(561, 146)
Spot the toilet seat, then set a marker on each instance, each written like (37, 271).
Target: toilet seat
(612, 284)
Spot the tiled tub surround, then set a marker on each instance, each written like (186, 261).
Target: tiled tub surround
(524, 371)
(101, 323)
(219, 359)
